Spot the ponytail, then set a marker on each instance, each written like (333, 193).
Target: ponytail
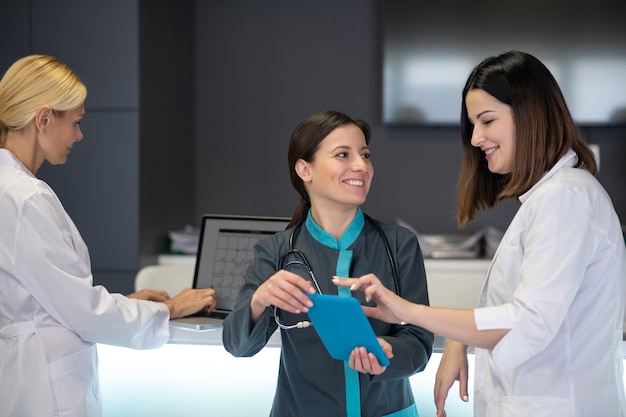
(300, 213)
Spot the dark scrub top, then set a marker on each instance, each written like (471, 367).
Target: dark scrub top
(310, 382)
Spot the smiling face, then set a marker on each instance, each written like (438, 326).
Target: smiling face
(493, 131)
(59, 134)
(341, 172)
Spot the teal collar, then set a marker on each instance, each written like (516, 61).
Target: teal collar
(348, 237)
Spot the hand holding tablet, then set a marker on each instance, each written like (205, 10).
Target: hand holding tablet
(342, 326)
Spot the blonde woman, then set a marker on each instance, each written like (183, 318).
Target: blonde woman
(51, 314)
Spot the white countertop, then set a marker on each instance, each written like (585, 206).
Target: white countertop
(214, 337)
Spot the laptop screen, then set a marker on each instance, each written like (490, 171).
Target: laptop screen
(225, 250)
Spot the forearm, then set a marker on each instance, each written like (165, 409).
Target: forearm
(411, 346)
(456, 324)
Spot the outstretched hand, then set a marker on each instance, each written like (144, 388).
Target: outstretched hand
(389, 306)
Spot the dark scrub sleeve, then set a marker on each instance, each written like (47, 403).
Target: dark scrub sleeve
(239, 336)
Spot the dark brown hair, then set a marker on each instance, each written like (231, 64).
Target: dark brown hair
(305, 141)
(544, 132)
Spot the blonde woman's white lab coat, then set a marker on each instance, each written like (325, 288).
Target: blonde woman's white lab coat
(51, 315)
(558, 281)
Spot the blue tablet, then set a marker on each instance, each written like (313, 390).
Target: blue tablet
(342, 325)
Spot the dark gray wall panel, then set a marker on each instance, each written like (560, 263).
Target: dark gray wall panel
(261, 67)
(14, 32)
(167, 131)
(99, 187)
(115, 281)
(264, 66)
(99, 40)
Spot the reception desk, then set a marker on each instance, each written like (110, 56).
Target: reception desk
(193, 375)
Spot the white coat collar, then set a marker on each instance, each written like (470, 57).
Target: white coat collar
(568, 160)
(7, 159)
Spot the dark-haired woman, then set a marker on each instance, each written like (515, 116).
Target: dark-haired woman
(548, 330)
(330, 167)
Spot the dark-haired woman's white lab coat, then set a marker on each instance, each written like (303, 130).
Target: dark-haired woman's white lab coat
(558, 282)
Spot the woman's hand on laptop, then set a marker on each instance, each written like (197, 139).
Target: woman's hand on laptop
(190, 301)
(150, 295)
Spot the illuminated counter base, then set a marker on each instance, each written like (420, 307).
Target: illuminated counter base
(203, 380)
(195, 376)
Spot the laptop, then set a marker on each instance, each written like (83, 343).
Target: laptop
(225, 249)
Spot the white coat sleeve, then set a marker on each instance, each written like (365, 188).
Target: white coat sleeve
(51, 261)
(555, 245)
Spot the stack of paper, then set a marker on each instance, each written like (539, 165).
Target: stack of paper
(449, 245)
(184, 240)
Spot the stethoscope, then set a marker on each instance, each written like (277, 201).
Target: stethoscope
(302, 261)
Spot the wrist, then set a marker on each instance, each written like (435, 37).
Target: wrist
(170, 308)
(256, 309)
(416, 315)
(458, 346)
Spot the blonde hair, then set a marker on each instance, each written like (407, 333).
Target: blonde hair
(35, 81)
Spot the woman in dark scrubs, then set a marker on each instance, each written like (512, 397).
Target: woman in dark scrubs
(329, 235)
